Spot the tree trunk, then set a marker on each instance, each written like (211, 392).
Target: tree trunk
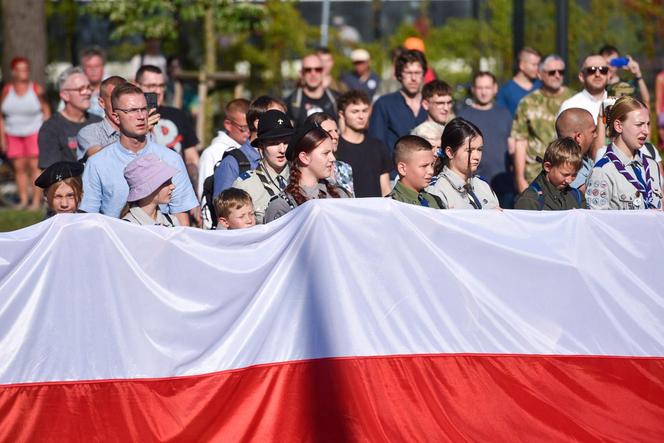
(24, 34)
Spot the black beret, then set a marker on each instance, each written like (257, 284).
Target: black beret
(57, 172)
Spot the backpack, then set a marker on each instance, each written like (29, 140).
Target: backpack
(207, 199)
(540, 195)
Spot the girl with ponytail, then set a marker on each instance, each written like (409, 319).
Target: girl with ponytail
(311, 163)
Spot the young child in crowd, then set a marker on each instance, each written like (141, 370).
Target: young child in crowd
(551, 190)
(63, 188)
(414, 161)
(235, 209)
(150, 185)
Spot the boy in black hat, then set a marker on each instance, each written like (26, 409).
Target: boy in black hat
(272, 174)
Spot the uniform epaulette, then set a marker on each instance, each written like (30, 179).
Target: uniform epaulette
(601, 162)
(245, 175)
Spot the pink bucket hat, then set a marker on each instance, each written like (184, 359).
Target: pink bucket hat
(145, 175)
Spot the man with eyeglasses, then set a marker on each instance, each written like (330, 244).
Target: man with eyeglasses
(311, 95)
(594, 75)
(104, 185)
(438, 102)
(57, 136)
(396, 114)
(533, 127)
(174, 129)
(495, 122)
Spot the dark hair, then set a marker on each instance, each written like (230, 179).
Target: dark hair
(456, 132)
(528, 50)
(409, 56)
(147, 68)
(114, 80)
(124, 89)
(258, 108)
(607, 49)
(352, 97)
(406, 145)
(436, 87)
(306, 143)
(93, 51)
(319, 117)
(483, 74)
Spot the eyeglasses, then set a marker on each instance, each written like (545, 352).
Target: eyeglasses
(243, 128)
(553, 72)
(318, 70)
(80, 89)
(132, 111)
(590, 70)
(153, 85)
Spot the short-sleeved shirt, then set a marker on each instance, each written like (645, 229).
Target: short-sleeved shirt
(57, 139)
(174, 130)
(541, 195)
(496, 127)
(369, 160)
(392, 118)
(105, 189)
(510, 94)
(99, 134)
(535, 122)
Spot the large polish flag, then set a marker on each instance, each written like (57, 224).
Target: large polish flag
(359, 320)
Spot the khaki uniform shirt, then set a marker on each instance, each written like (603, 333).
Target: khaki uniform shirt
(404, 194)
(549, 198)
(535, 121)
(138, 216)
(262, 184)
(606, 188)
(451, 189)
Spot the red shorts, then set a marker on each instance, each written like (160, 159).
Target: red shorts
(22, 147)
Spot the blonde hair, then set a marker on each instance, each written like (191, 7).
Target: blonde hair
(73, 182)
(229, 200)
(623, 106)
(564, 151)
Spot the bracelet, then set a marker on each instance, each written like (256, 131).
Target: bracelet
(638, 78)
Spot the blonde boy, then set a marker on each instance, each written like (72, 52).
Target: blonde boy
(235, 209)
(414, 160)
(551, 190)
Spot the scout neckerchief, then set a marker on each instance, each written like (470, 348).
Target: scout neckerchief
(645, 188)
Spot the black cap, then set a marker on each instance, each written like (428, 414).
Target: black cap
(295, 139)
(57, 172)
(273, 124)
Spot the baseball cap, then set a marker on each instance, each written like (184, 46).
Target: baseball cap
(360, 55)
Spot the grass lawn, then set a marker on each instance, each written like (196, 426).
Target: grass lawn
(11, 220)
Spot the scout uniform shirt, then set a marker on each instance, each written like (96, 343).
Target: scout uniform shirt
(453, 191)
(282, 204)
(404, 194)
(262, 184)
(535, 121)
(541, 195)
(607, 188)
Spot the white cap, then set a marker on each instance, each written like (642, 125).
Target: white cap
(360, 55)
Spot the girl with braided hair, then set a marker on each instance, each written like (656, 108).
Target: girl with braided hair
(311, 164)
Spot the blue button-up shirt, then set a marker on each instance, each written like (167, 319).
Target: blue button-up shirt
(105, 189)
(392, 117)
(229, 169)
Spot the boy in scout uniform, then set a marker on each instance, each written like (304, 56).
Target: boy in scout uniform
(551, 190)
(414, 160)
(271, 176)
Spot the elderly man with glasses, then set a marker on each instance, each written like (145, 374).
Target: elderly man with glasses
(533, 127)
(57, 136)
(311, 95)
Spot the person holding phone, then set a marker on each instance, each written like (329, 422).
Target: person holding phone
(617, 87)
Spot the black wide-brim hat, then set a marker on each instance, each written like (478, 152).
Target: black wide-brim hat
(57, 172)
(273, 125)
(297, 136)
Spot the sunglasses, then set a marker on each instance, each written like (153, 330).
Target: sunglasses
(590, 70)
(553, 72)
(308, 70)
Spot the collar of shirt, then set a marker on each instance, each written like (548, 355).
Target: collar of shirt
(409, 195)
(272, 173)
(144, 219)
(626, 160)
(108, 128)
(455, 180)
(590, 98)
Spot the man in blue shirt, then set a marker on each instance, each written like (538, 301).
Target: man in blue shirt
(396, 114)
(105, 188)
(524, 81)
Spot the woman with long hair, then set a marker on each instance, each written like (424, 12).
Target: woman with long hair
(625, 178)
(311, 163)
(24, 109)
(455, 182)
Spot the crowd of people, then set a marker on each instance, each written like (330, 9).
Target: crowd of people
(115, 148)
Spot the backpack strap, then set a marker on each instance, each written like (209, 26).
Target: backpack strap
(266, 183)
(577, 195)
(540, 195)
(242, 160)
(651, 151)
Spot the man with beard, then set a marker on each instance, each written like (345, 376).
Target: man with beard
(312, 96)
(368, 156)
(495, 122)
(533, 127)
(594, 75)
(524, 81)
(396, 114)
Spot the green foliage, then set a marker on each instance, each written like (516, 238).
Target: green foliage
(11, 220)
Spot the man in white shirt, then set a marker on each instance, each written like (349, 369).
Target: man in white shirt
(594, 75)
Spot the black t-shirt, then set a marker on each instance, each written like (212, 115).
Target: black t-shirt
(369, 160)
(57, 139)
(174, 129)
